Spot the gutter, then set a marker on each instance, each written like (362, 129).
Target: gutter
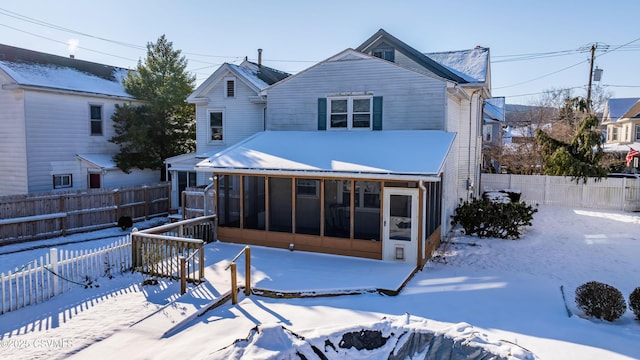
(322, 174)
(63, 91)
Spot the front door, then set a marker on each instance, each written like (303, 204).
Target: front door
(400, 225)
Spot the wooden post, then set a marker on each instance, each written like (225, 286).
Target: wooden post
(183, 275)
(146, 203)
(234, 284)
(247, 271)
(184, 202)
(201, 261)
(116, 200)
(63, 220)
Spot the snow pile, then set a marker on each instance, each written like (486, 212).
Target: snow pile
(400, 337)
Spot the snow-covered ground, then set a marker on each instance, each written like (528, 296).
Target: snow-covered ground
(503, 294)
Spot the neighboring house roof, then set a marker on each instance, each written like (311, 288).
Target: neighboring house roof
(494, 109)
(423, 60)
(617, 147)
(101, 161)
(472, 65)
(259, 77)
(51, 72)
(336, 153)
(617, 108)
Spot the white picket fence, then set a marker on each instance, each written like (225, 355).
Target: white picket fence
(608, 193)
(60, 271)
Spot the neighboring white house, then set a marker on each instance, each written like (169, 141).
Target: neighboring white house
(55, 124)
(366, 153)
(229, 108)
(621, 118)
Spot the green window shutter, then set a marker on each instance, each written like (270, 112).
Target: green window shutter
(377, 113)
(322, 113)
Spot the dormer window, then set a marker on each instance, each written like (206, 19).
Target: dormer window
(386, 54)
(349, 112)
(230, 87)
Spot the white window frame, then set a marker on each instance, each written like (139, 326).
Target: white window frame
(614, 134)
(63, 184)
(350, 111)
(209, 132)
(91, 120)
(637, 132)
(226, 87)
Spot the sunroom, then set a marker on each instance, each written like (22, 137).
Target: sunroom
(367, 194)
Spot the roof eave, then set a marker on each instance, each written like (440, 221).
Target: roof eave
(64, 91)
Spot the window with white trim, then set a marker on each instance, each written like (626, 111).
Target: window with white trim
(637, 132)
(216, 125)
(349, 112)
(614, 134)
(387, 54)
(62, 181)
(95, 115)
(230, 87)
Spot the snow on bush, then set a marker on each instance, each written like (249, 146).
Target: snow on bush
(634, 302)
(493, 217)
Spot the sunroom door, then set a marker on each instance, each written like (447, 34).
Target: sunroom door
(400, 225)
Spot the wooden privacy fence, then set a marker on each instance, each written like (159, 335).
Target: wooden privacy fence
(607, 193)
(197, 201)
(38, 216)
(60, 271)
(174, 250)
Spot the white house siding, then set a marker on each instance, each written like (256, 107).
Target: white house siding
(410, 100)
(115, 178)
(241, 119)
(58, 128)
(13, 148)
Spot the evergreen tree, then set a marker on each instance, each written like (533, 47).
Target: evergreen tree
(164, 125)
(579, 158)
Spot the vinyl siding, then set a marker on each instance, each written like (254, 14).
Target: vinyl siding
(242, 118)
(13, 168)
(58, 128)
(410, 100)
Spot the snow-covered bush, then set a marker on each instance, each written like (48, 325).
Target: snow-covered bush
(487, 218)
(634, 302)
(600, 300)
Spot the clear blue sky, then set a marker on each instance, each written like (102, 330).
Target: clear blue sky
(553, 37)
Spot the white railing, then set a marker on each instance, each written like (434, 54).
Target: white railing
(608, 193)
(60, 271)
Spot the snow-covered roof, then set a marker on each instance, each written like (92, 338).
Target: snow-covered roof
(617, 147)
(102, 161)
(31, 68)
(353, 152)
(618, 107)
(471, 64)
(494, 109)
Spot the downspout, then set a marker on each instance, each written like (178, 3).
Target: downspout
(423, 188)
(470, 183)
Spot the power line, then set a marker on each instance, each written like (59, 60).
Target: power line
(540, 77)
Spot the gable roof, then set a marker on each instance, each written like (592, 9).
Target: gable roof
(471, 64)
(617, 108)
(29, 68)
(259, 77)
(413, 54)
(336, 153)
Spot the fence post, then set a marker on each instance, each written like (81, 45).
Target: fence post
(247, 270)
(53, 256)
(116, 200)
(183, 275)
(234, 284)
(63, 220)
(146, 203)
(184, 206)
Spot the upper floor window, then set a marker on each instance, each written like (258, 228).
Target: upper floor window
(230, 87)
(216, 125)
(637, 132)
(349, 112)
(62, 181)
(614, 134)
(387, 54)
(95, 114)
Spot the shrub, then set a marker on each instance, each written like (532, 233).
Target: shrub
(487, 218)
(600, 300)
(634, 302)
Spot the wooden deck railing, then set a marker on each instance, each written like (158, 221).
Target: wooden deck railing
(174, 250)
(234, 274)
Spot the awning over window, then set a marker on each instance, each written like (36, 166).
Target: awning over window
(101, 161)
(415, 153)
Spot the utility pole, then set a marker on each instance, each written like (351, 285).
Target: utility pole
(593, 55)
